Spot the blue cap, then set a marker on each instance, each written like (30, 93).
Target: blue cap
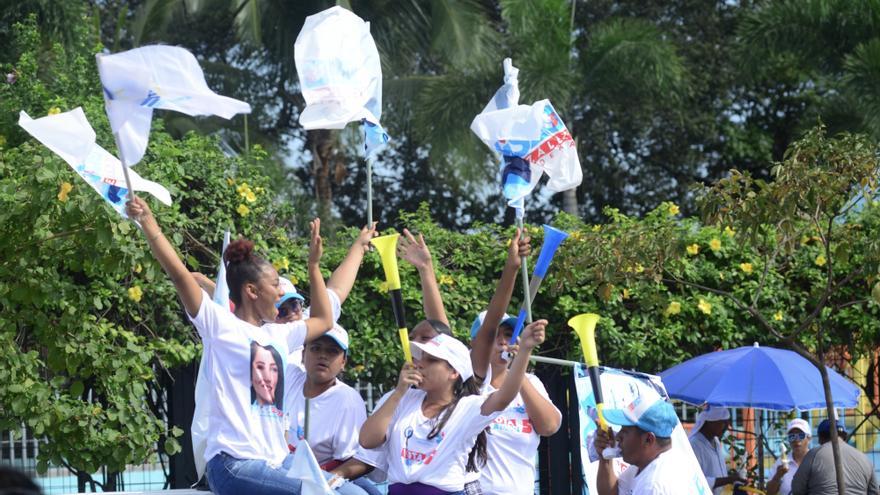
(478, 322)
(290, 291)
(658, 417)
(824, 427)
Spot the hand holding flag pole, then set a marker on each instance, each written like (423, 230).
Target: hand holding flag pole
(386, 245)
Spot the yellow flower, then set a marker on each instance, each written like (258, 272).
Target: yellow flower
(820, 260)
(639, 268)
(597, 228)
(54, 111)
(705, 307)
(674, 308)
(383, 287)
(243, 210)
(282, 264)
(445, 280)
(576, 235)
(746, 267)
(693, 249)
(135, 293)
(250, 197)
(778, 316)
(715, 244)
(729, 232)
(721, 275)
(230, 181)
(673, 209)
(66, 187)
(625, 294)
(138, 268)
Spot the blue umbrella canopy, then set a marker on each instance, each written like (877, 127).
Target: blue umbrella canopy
(759, 377)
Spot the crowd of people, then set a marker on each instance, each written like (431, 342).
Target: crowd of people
(461, 420)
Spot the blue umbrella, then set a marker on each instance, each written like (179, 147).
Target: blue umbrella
(759, 377)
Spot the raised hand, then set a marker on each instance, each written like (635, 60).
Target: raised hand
(316, 244)
(533, 335)
(519, 246)
(363, 239)
(603, 440)
(409, 376)
(414, 250)
(138, 210)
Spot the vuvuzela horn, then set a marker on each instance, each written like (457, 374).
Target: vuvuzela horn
(387, 248)
(584, 326)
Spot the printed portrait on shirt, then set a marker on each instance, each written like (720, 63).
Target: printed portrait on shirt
(267, 378)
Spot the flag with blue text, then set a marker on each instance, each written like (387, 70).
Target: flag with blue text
(155, 77)
(71, 137)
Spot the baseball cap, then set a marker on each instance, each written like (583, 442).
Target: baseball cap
(478, 322)
(339, 335)
(289, 291)
(824, 427)
(448, 349)
(657, 417)
(799, 424)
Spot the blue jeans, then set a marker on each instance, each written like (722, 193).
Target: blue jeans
(228, 475)
(367, 486)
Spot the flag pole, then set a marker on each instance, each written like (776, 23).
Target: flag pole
(369, 190)
(524, 267)
(124, 167)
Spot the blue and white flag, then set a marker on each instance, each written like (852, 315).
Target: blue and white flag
(201, 416)
(340, 74)
(532, 140)
(71, 137)
(164, 77)
(619, 389)
(306, 469)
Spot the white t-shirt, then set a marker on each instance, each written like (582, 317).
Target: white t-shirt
(441, 461)
(245, 423)
(785, 482)
(512, 444)
(335, 418)
(710, 455)
(665, 475)
(296, 354)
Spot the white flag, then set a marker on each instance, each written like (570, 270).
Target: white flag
(72, 138)
(532, 141)
(339, 73)
(201, 416)
(166, 77)
(305, 468)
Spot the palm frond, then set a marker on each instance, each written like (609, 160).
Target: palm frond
(462, 34)
(151, 19)
(862, 79)
(630, 61)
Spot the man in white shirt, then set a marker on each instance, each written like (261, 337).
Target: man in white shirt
(705, 440)
(645, 441)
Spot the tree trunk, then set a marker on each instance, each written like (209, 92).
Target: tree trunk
(570, 202)
(832, 418)
(323, 155)
(829, 404)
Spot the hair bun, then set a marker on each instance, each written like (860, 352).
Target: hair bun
(238, 250)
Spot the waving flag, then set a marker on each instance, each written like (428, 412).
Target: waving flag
(305, 467)
(532, 141)
(164, 77)
(71, 137)
(339, 73)
(201, 416)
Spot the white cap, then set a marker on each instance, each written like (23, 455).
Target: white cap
(289, 291)
(339, 334)
(799, 424)
(710, 414)
(448, 349)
